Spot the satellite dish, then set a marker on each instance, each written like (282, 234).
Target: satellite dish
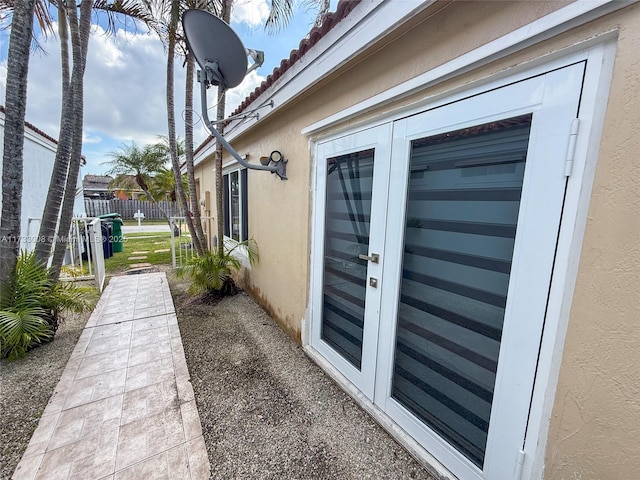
(223, 62)
(216, 47)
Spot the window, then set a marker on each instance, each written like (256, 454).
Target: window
(234, 205)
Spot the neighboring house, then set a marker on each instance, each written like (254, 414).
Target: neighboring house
(97, 187)
(39, 156)
(458, 242)
(128, 188)
(101, 187)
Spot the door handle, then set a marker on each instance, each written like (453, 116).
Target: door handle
(375, 258)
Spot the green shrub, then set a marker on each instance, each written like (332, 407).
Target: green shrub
(31, 306)
(212, 271)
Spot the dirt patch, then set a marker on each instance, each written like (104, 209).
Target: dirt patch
(26, 386)
(267, 411)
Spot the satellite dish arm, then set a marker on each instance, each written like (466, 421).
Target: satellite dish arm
(258, 59)
(279, 168)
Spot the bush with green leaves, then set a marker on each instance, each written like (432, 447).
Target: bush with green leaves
(211, 272)
(31, 305)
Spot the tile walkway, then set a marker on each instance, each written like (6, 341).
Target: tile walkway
(124, 407)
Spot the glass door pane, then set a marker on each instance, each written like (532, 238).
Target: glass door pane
(348, 210)
(235, 205)
(462, 210)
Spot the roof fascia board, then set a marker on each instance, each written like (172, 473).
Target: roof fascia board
(34, 136)
(205, 152)
(40, 140)
(555, 23)
(370, 21)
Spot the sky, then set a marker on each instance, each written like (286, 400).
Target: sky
(125, 81)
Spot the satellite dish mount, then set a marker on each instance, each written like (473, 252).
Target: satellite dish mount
(223, 62)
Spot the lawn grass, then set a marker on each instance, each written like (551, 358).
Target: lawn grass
(134, 223)
(137, 242)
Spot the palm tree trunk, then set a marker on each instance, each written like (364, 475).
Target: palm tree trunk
(80, 32)
(55, 194)
(150, 195)
(171, 119)
(188, 154)
(12, 159)
(226, 16)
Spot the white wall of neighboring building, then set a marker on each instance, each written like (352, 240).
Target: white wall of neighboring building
(39, 155)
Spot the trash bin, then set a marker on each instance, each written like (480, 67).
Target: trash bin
(107, 247)
(115, 220)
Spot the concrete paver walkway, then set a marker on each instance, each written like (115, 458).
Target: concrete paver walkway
(124, 407)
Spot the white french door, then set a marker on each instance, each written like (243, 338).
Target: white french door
(352, 183)
(461, 206)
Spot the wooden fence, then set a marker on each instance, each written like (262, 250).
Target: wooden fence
(127, 208)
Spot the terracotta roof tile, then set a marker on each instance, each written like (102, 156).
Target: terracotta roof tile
(33, 128)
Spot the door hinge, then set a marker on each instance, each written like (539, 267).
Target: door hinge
(571, 151)
(519, 465)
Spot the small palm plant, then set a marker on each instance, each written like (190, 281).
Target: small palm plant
(31, 305)
(211, 272)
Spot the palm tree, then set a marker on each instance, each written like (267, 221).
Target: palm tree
(226, 16)
(58, 183)
(142, 163)
(170, 12)
(58, 212)
(188, 157)
(211, 272)
(279, 16)
(12, 159)
(163, 185)
(79, 29)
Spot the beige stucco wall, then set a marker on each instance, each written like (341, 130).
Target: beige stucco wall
(279, 210)
(206, 183)
(595, 425)
(596, 415)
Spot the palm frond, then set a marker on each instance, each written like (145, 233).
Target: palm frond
(20, 330)
(321, 7)
(210, 271)
(30, 304)
(248, 247)
(120, 11)
(279, 15)
(68, 296)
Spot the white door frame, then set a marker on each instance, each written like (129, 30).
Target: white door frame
(379, 139)
(538, 224)
(600, 55)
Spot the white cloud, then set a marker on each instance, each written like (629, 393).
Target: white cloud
(3, 80)
(124, 92)
(124, 87)
(88, 138)
(234, 98)
(237, 95)
(251, 12)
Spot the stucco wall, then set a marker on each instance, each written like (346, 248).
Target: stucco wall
(206, 180)
(596, 419)
(279, 210)
(596, 414)
(39, 155)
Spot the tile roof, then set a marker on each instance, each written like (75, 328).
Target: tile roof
(329, 20)
(96, 182)
(33, 128)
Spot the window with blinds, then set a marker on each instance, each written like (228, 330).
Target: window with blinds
(235, 205)
(348, 209)
(462, 210)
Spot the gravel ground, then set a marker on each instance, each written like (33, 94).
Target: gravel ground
(26, 386)
(267, 411)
